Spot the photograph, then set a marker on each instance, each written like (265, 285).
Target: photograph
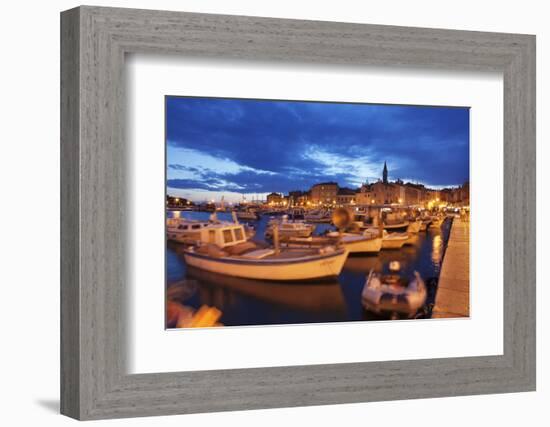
(284, 212)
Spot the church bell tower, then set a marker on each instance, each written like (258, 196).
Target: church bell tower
(385, 174)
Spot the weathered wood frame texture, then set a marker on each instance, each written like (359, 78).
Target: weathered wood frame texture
(94, 41)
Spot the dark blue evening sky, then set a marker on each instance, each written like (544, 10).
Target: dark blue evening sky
(236, 147)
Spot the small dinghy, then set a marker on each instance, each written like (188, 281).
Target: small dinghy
(392, 294)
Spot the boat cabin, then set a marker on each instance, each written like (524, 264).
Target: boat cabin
(223, 235)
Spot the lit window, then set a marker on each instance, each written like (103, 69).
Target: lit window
(227, 236)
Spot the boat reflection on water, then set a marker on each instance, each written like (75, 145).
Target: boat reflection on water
(437, 249)
(407, 257)
(219, 290)
(362, 265)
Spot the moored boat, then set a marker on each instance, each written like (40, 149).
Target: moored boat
(183, 230)
(394, 240)
(414, 226)
(318, 216)
(224, 250)
(395, 223)
(247, 215)
(288, 228)
(355, 243)
(393, 294)
(189, 232)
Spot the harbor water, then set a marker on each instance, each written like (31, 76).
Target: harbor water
(245, 302)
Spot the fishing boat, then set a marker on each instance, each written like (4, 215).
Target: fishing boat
(318, 216)
(355, 243)
(414, 226)
(392, 294)
(188, 232)
(183, 230)
(394, 222)
(225, 250)
(394, 240)
(361, 221)
(296, 214)
(247, 215)
(288, 228)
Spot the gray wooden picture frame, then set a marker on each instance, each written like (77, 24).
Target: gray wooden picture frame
(94, 41)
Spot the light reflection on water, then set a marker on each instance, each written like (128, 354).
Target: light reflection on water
(256, 302)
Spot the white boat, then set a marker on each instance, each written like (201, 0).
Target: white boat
(394, 222)
(186, 231)
(318, 216)
(361, 221)
(248, 215)
(392, 294)
(224, 250)
(183, 230)
(411, 239)
(414, 226)
(394, 240)
(289, 228)
(296, 214)
(354, 243)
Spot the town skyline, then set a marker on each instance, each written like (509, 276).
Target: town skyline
(397, 191)
(198, 196)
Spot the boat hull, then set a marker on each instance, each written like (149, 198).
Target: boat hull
(320, 266)
(363, 246)
(247, 217)
(355, 244)
(393, 243)
(414, 227)
(396, 227)
(289, 233)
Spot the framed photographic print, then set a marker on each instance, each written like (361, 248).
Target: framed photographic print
(285, 213)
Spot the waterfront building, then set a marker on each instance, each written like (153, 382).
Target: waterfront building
(275, 199)
(324, 193)
(414, 194)
(177, 202)
(381, 193)
(346, 196)
(298, 198)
